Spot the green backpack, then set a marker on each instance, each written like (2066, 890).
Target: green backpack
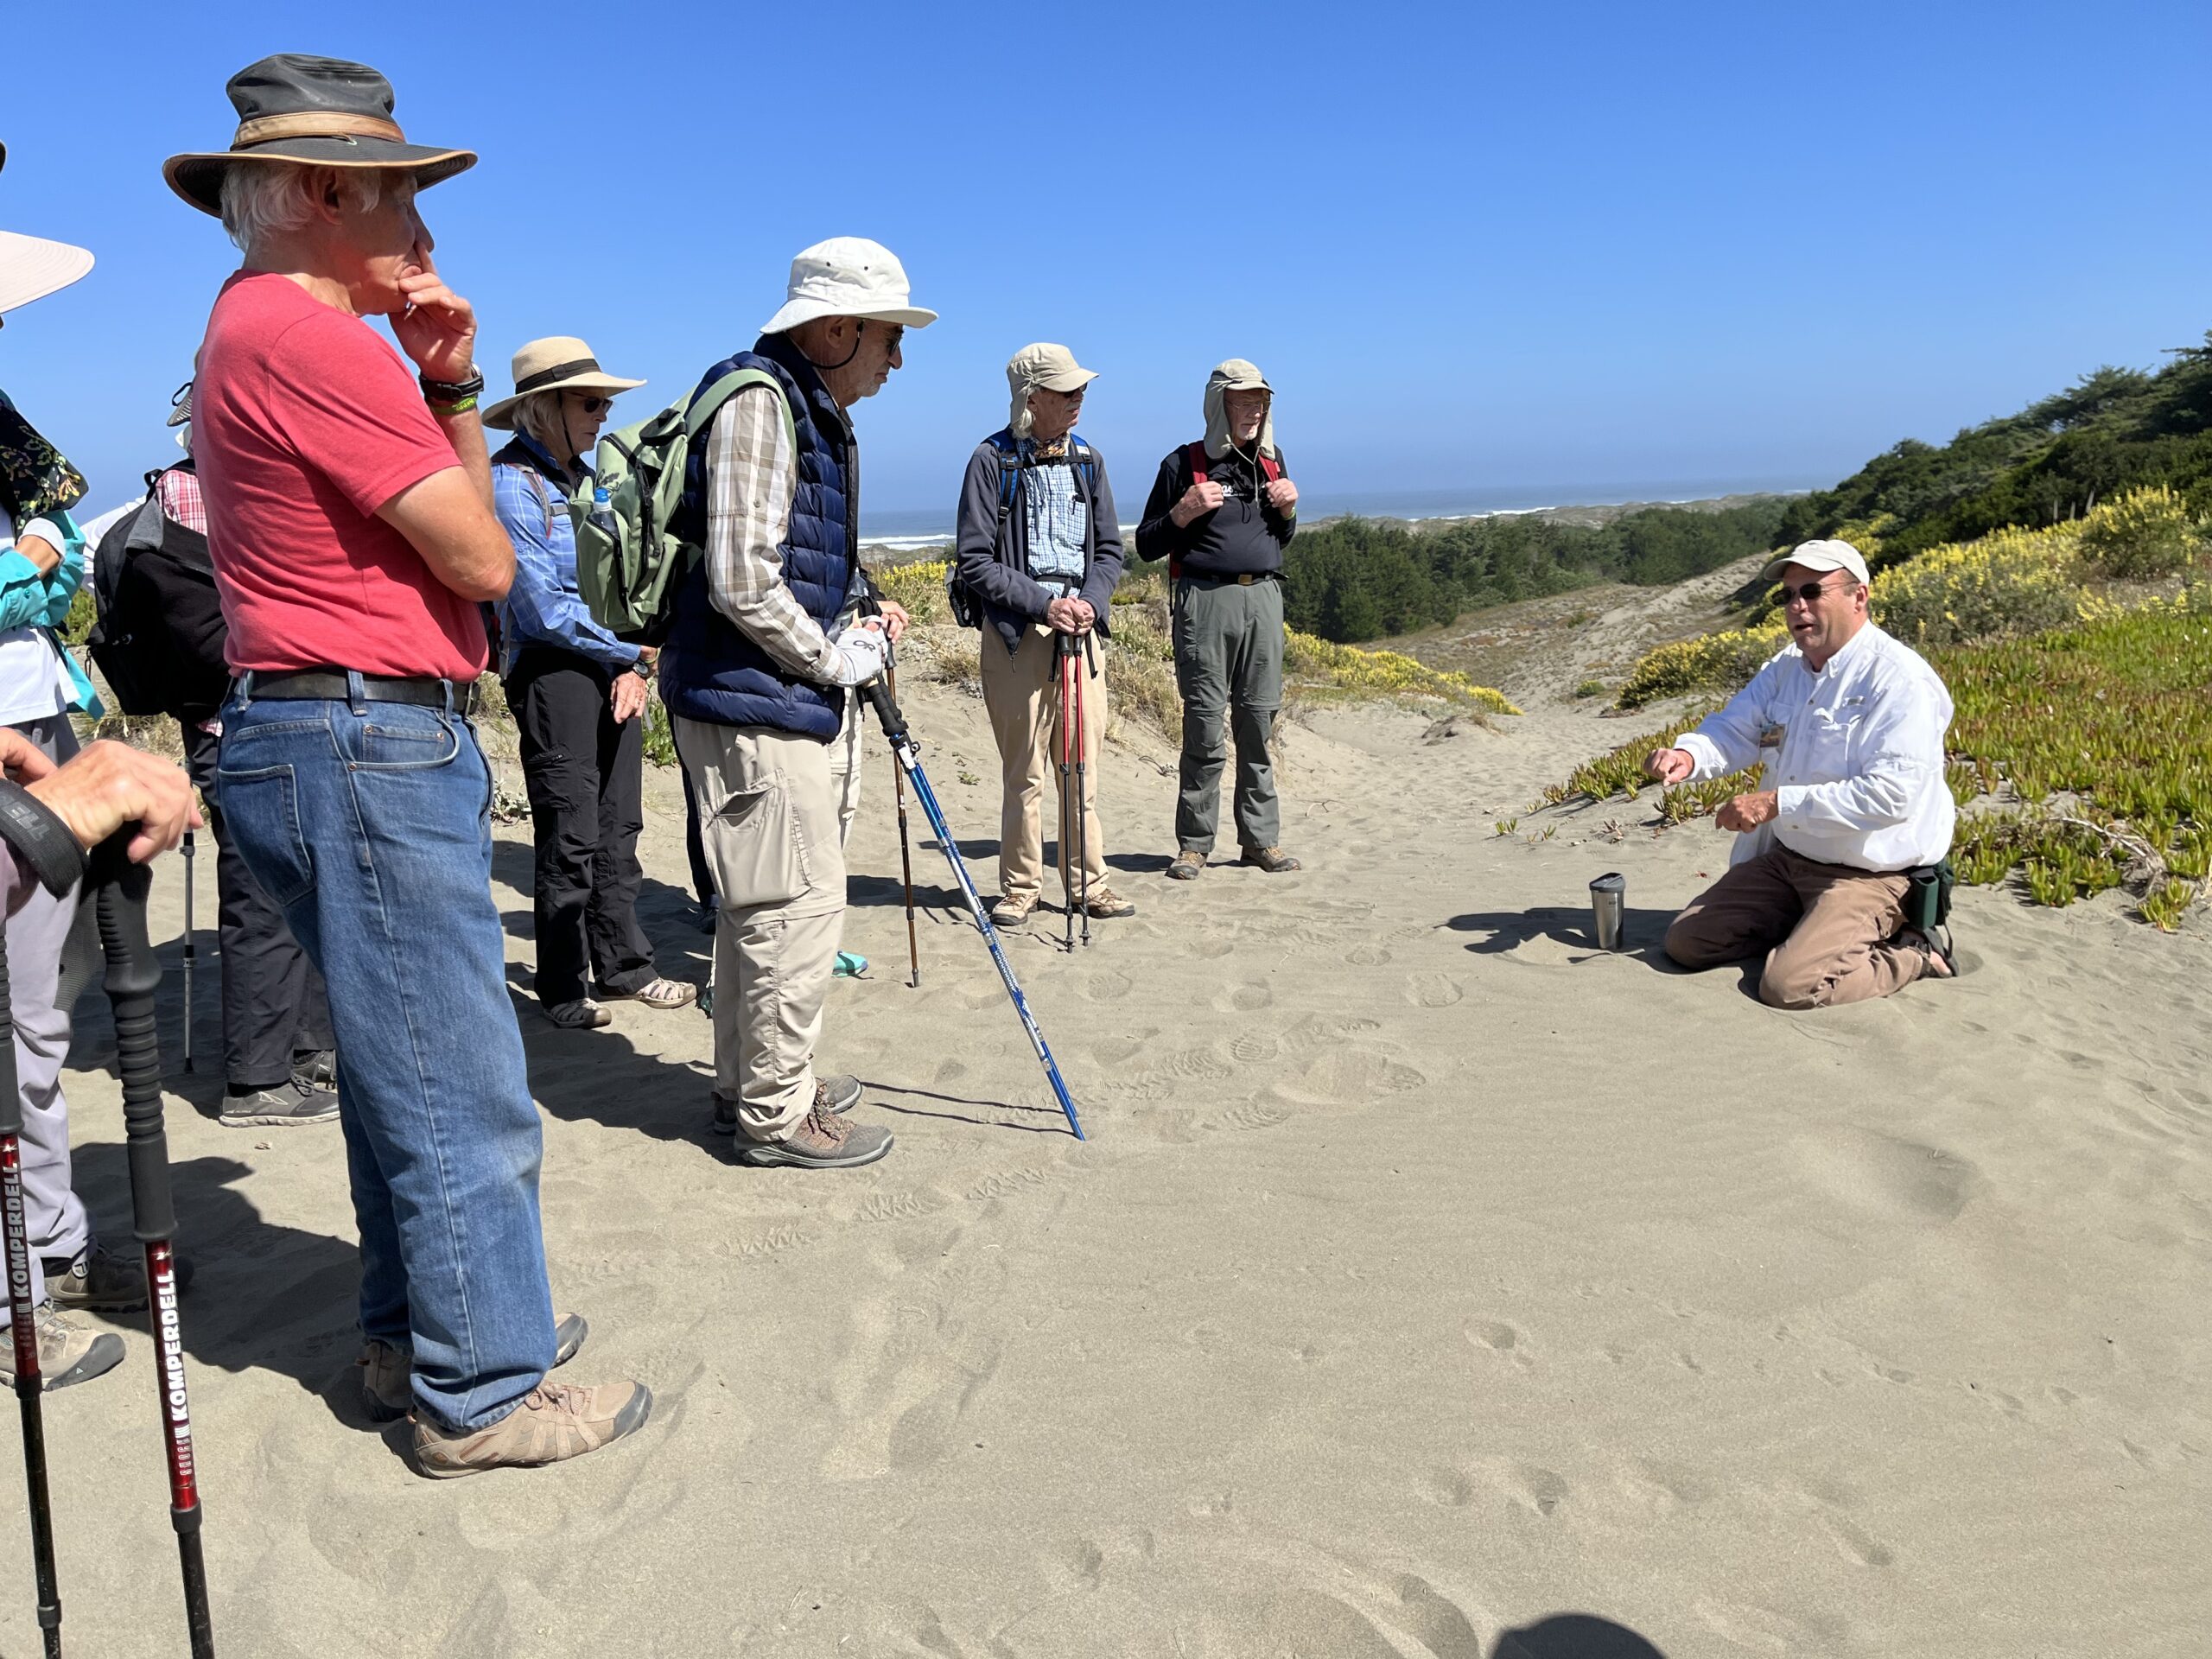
(636, 535)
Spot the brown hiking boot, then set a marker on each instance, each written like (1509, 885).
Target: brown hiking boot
(1186, 866)
(1273, 859)
(555, 1421)
(823, 1140)
(1012, 910)
(1104, 901)
(388, 1372)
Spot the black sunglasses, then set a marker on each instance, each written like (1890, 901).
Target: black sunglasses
(592, 403)
(1810, 592)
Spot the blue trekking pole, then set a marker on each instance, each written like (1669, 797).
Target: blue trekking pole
(909, 758)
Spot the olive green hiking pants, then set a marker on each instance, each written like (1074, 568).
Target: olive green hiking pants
(1229, 642)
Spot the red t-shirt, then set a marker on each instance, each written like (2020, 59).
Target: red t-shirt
(304, 422)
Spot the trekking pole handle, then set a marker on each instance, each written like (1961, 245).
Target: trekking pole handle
(134, 973)
(886, 710)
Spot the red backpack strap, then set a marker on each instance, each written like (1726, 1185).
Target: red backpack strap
(1195, 455)
(1270, 466)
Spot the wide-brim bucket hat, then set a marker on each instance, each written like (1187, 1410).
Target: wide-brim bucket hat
(1235, 375)
(31, 267)
(321, 111)
(848, 277)
(557, 363)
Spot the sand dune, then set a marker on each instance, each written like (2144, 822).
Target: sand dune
(1429, 1275)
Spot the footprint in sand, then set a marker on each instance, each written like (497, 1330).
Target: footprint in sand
(1254, 1048)
(1351, 1076)
(902, 1391)
(1367, 956)
(1495, 1335)
(1107, 987)
(1248, 998)
(1443, 1627)
(1435, 990)
(1901, 1180)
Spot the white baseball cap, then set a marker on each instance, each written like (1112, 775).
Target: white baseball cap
(848, 277)
(1820, 556)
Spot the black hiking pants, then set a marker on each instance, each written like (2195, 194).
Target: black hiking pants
(275, 1009)
(585, 774)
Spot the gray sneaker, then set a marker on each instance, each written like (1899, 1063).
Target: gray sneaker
(316, 1067)
(387, 1372)
(293, 1101)
(68, 1352)
(839, 1094)
(823, 1140)
(99, 1280)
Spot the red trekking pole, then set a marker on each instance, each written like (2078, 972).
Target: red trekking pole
(133, 976)
(1080, 659)
(28, 1383)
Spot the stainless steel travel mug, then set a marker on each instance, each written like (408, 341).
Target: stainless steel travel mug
(1608, 893)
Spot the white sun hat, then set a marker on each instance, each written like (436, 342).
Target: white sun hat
(848, 277)
(31, 267)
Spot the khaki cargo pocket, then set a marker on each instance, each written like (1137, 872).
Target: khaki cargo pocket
(754, 841)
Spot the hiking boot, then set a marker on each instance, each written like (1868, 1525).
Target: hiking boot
(1186, 866)
(830, 1094)
(1012, 910)
(67, 1351)
(823, 1140)
(99, 1280)
(316, 1067)
(1104, 901)
(555, 1421)
(387, 1370)
(582, 1015)
(293, 1101)
(1273, 859)
(659, 994)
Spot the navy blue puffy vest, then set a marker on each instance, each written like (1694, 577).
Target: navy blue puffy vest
(711, 671)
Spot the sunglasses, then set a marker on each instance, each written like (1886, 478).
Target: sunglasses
(1810, 592)
(592, 403)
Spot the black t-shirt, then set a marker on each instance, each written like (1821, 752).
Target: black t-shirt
(1245, 535)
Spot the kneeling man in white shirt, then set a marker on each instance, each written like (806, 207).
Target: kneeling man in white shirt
(1850, 725)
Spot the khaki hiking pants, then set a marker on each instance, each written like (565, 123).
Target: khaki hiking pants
(770, 821)
(1022, 693)
(1826, 929)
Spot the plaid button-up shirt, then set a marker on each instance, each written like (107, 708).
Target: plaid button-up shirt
(751, 478)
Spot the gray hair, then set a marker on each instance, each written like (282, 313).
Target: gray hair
(273, 199)
(537, 417)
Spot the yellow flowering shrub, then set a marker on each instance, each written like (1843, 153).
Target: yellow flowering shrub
(1326, 666)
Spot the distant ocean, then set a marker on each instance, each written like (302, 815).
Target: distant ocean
(920, 529)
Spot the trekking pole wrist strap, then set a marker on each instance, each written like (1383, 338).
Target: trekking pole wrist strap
(36, 831)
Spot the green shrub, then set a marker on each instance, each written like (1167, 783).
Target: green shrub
(2144, 534)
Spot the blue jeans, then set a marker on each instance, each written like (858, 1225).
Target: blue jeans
(369, 824)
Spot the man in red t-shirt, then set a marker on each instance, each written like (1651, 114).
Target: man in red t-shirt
(349, 516)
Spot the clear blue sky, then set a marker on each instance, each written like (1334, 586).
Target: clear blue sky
(1476, 247)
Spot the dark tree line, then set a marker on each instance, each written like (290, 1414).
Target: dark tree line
(1354, 579)
(2115, 430)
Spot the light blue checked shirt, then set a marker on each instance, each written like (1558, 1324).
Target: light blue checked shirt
(1058, 519)
(544, 606)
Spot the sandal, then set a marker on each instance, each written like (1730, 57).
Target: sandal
(1935, 949)
(658, 993)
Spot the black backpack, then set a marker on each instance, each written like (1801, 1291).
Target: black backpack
(158, 631)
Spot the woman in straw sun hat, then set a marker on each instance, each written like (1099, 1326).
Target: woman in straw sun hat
(578, 694)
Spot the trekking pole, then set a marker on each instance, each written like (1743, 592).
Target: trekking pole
(187, 950)
(909, 762)
(905, 850)
(28, 1383)
(1082, 798)
(133, 976)
(1060, 660)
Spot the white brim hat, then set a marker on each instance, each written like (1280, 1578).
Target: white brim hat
(848, 277)
(31, 267)
(1819, 556)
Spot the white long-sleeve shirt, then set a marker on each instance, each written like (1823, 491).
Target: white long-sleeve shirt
(1854, 754)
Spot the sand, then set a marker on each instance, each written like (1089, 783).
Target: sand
(1428, 1276)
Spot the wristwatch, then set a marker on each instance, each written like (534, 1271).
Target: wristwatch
(453, 396)
(35, 830)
